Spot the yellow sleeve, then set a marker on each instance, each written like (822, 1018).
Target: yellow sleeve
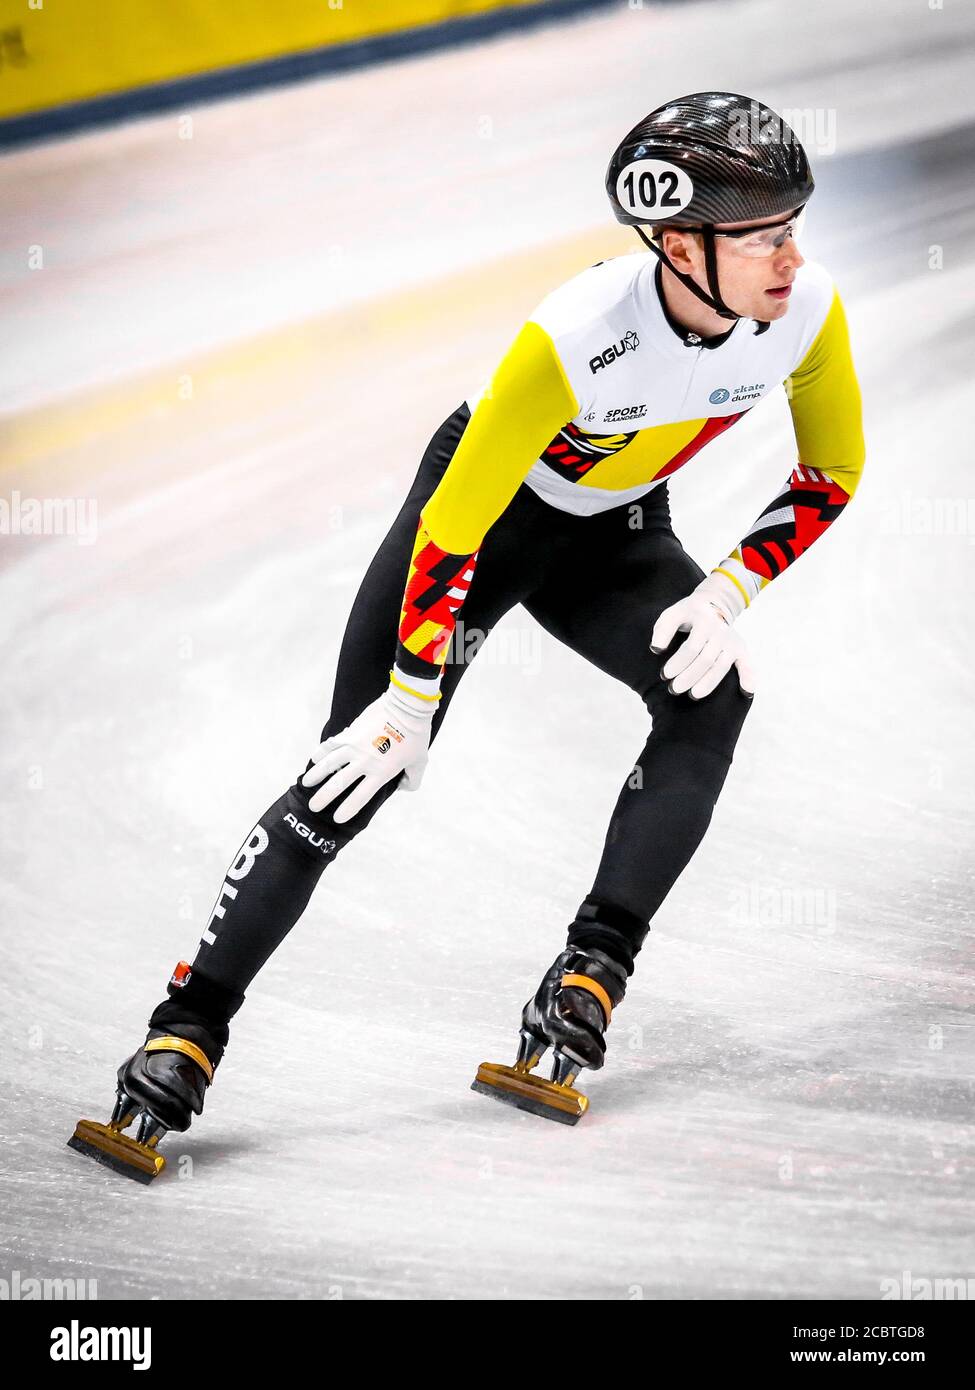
(527, 403)
(825, 402)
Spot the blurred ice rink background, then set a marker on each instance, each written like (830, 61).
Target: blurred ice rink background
(250, 317)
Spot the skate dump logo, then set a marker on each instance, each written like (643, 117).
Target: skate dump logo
(740, 393)
(747, 393)
(625, 412)
(306, 833)
(77, 1343)
(628, 343)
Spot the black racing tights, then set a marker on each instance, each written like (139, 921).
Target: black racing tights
(597, 583)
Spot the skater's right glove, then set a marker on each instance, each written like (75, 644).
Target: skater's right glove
(712, 646)
(390, 736)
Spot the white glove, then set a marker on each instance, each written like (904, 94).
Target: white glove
(389, 736)
(712, 646)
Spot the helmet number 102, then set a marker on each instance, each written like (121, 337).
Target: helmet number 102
(654, 189)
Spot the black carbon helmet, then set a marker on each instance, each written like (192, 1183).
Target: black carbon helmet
(703, 159)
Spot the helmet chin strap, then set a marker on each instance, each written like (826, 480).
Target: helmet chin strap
(712, 300)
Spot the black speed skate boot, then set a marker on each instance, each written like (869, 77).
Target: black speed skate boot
(161, 1086)
(570, 1012)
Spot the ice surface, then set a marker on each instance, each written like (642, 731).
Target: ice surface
(787, 1107)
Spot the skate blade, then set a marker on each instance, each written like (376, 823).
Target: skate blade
(531, 1093)
(117, 1151)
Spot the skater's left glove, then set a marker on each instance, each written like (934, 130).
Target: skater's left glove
(390, 736)
(712, 646)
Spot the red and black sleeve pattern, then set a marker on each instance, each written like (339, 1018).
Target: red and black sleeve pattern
(435, 590)
(809, 503)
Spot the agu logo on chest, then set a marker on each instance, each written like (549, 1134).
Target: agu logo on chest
(628, 343)
(740, 393)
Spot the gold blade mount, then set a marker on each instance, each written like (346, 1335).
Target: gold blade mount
(515, 1086)
(117, 1151)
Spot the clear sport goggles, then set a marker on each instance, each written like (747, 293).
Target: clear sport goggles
(764, 241)
(759, 241)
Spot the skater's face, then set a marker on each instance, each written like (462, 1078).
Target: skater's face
(755, 274)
